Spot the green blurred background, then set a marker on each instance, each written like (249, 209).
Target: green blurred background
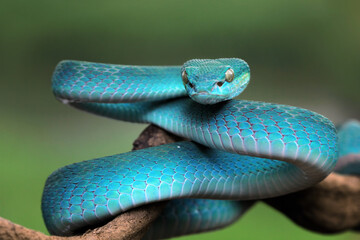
(304, 53)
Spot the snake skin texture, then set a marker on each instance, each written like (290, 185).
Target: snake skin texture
(349, 148)
(186, 216)
(243, 150)
(97, 82)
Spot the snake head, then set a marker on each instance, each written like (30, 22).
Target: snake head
(209, 81)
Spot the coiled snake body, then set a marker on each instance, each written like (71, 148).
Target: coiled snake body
(242, 150)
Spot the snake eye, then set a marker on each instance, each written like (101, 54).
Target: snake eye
(184, 77)
(229, 75)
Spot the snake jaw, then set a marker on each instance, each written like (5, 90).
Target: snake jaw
(206, 98)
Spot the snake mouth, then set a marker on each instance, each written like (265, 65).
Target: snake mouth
(204, 93)
(207, 98)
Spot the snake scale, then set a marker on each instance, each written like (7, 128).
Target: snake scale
(240, 150)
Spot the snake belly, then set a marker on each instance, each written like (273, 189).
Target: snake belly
(253, 150)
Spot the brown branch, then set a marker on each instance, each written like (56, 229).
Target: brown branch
(330, 206)
(128, 226)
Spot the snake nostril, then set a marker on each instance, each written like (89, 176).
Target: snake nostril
(219, 84)
(191, 85)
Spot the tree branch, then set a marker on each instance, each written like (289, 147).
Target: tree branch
(328, 207)
(331, 206)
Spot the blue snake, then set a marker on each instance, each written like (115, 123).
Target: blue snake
(240, 150)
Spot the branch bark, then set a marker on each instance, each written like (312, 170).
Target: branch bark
(131, 225)
(329, 207)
